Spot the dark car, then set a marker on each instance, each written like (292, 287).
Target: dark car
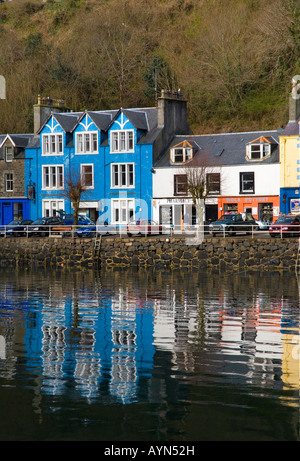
(144, 227)
(16, 228)
(230, 224)
(68, 219)
(286, 226)
(43, 226)
(101, 228)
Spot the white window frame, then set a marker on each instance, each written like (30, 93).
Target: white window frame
(9, 182)
(122, 175)
(122, 210)
(82, 174)
(9, 153)
(186, 154)
(121, 141)
(52, 175)
(49, 207)
(52, 144)
(86, 142)
(262, 148)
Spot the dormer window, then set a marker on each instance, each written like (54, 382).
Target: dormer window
(181, 153)
(52, 144)
(86, 143)
(122, 141)
(8, 154)
(258, 149)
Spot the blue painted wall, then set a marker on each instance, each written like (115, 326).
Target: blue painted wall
(102, 192)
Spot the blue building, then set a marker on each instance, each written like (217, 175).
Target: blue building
(113, 152)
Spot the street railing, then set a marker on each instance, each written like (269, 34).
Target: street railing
(121, 231)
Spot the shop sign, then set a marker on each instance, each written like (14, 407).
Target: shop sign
(247, 199)
(295, 205)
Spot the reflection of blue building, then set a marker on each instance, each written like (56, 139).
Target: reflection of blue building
(110, 348)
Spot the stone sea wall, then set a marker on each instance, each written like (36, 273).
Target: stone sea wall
(218, 254)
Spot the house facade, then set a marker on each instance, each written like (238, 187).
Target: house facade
(290, 160)
(112, 152)
(242, 174)
(15, 182)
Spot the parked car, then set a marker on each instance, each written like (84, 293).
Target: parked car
(68, 219)
(43, 226)
(16, 228)
(100, 228)
(229, 224)
(262, 225)
(286, 226)
(144, 227)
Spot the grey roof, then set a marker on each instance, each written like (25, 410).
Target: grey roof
(137, 117)
(222, 149)
(19, 140)
(66, 120)
(102, 119)
(291, 129)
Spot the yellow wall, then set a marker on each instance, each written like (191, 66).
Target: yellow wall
(289, 154)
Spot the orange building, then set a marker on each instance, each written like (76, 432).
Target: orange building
(261, 207)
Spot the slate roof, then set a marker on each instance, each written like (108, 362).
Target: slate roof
(291, 129)
(101, 119)
(222, 149)
(19, 140)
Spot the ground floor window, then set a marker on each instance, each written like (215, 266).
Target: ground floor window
(265, 212)
(122, 211)
(230, 208)
(18, 210)
(50, 207)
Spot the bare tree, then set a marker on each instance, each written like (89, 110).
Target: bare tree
(74, 188)
(199, 185)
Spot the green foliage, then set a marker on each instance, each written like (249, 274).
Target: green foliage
(234, 70)
(159, 76)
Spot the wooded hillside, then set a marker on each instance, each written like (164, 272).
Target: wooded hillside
(232, 59)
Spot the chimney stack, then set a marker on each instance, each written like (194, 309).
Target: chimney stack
(172, 113)
(294, 103)
(43, 109)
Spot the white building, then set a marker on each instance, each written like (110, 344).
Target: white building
(242, 174)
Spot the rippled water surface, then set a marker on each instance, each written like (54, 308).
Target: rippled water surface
(148, 356)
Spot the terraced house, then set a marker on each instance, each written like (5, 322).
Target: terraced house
(241, 173)
(16, 191)
(290, 159)
(113, 152)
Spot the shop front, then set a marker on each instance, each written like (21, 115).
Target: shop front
(13, 209)
(180, 213)
(263, 208)
(290, 200)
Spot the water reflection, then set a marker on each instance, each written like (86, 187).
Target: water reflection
(123, 337)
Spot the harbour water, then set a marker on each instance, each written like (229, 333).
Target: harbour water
(136, 355)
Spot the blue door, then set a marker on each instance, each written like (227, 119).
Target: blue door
(7, 213)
